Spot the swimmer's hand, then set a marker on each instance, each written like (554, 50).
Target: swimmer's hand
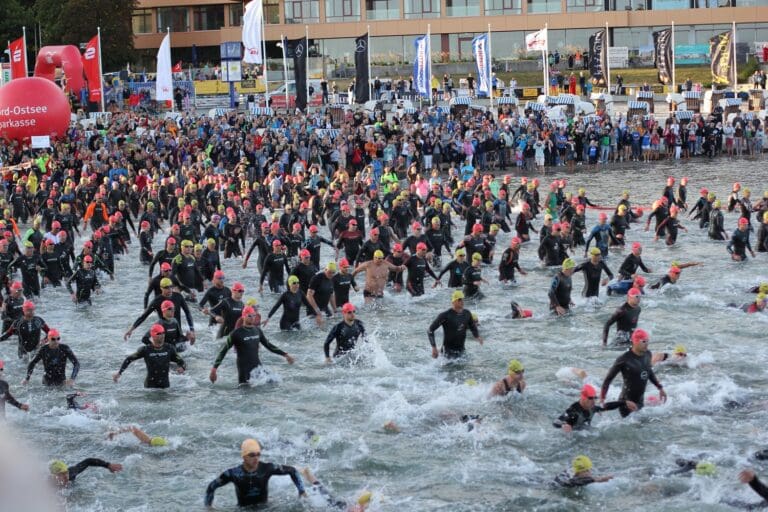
(567, 428)
(179, 370)
(116, 377)
(213, 375)
(746, 476)
(289, 359)
(328, 360)
(632, 406)
(603, 478)
(662, 395)
(115, 468)
(435, 353)
(127, 334)
(560, 310)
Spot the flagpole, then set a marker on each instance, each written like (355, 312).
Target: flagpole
(490, 70)
(306, 65)
(264, 60)
(285, 73)
(545, 54)
(101, 73)
(368, 46)
(24, 34)
(674, 83)
(173, 102)
(735, 74)
(607, 47)
(429, 63)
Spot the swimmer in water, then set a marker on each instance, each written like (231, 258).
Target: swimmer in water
(580, 474)
(455, 322)
(676, 358)
(346, 333)
(513, 380)
(251, 478)
(580, 413)
(143, 437)
(625, 317)
(73, 405)
(64, 475)
(560, 289)
(636, 369)
(6, 396)
(518, 312)
(360, 505)
(749, 477)
(756, 306)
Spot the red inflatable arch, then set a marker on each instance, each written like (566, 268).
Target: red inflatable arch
(64, 57)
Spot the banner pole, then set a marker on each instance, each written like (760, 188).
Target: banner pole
(26, 68)
(264, 61)
(101, 72)
(545, 62)
(306, 65)
(173, 102)
(735, 74)
(606, 49)
(490, 70)
(674, 83)
(368, 47)
(283, 42)
(429, 63)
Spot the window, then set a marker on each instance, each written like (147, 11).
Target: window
(235, 15)
(540, 6)
(302, 11)
(502, 7)
(342, 10)
(175, 18)
(141, 20)
(584, 5)
(462, 7)
(272, 12)
(382, 9)
(417, 9)
(208, 17)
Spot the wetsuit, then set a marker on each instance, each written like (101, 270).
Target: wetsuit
(578, 417)
(625, 317)
(158, 361)
(28, 332)
(13, 311)
(602, 235)
(291, 303)
(565, 479)
(154, 287)
(162, 256)
(186, 271)
(179, 303)
(636, 371)
(312, 244)
(455, 270)
(86, 281)
(305, 273)
(592, 273)
(454, 331)
(663, 281)
(510, 260)
(672, 226)
(560, 291)
(552, 250)
(739, 244)
(472, 276)
(395, 276)
(351, 241)
(322, 287)
(417, 267)
(246, 341)
(619, 226)
(252, 488)
(345, 335)
(630, 265)
(173, 335)
(30, 278)
(53, 268)
(341, 285)
(81, 466)
(145, 242)
(230, 310)
(6, 396)
(273, 267)
(54, 364)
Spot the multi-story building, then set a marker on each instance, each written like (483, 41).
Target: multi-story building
(332, 24)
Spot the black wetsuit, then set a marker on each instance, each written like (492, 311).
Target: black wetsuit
(273, 267)
(158, 361)
(565, 479)
(417, 268)
(345, 335)
(246, 341)
(341, 285)
(322, 288)
(592, 273)
(173, 334)
(186, 271)
(74, 471)
(560, 291)
(154, 286)
(252, 488)
(230, 310)
(28, 332)
(739, 244)
(6, 396)
(179, 303)
(305, 273)
(455, 270)
(552, 250)
(510, 260)
(30, 278)
(578, 417)
(291, 303)
(86, 281)
(472, 276)
(630, 265)
(625, 317)
(54, 364)
(636, 371)
(454, 331)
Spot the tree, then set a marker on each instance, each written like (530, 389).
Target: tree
(13, 18)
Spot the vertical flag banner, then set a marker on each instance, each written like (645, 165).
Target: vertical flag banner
(18, 59)
(662, 55)
(297, 48)
(537, 41)
(482, 60)
(422, 71)
(252, 35)
(598, 57)
(721, 53)
(362, 91)
(91, 67)
(164, 84)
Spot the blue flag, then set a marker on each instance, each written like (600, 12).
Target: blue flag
(483, 62)
(422, 66)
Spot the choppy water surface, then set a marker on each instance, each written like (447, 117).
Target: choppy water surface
(434, 463)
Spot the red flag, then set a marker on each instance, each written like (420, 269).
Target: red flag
(177, 68)
(18, 59)
(92, 69)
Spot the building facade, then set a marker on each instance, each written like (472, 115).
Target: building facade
(332, 24)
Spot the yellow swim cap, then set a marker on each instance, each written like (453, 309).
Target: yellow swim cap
(680, 349)
(765, 217)
(515, 366)
(460, 252)
(717, 203)
(378, 253)
(165, 282)
(705, 468)
(711, 196)
(198, 247)
(568, 264)
(582, 190)
(457, 295)
(211, 241)
(763, 288)
(365, 498)
(760, 298)
(293, 280)
(470, 382)
(477, 256)
(57, 467)
(252, 302)
(594, 251)
(622, 208)
(494, 227)
(250, 446)
(331, 266)
(158, 441)
(581, 463)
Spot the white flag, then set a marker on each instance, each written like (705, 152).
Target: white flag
(164, 79)
(252, 32)
(536, 41)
